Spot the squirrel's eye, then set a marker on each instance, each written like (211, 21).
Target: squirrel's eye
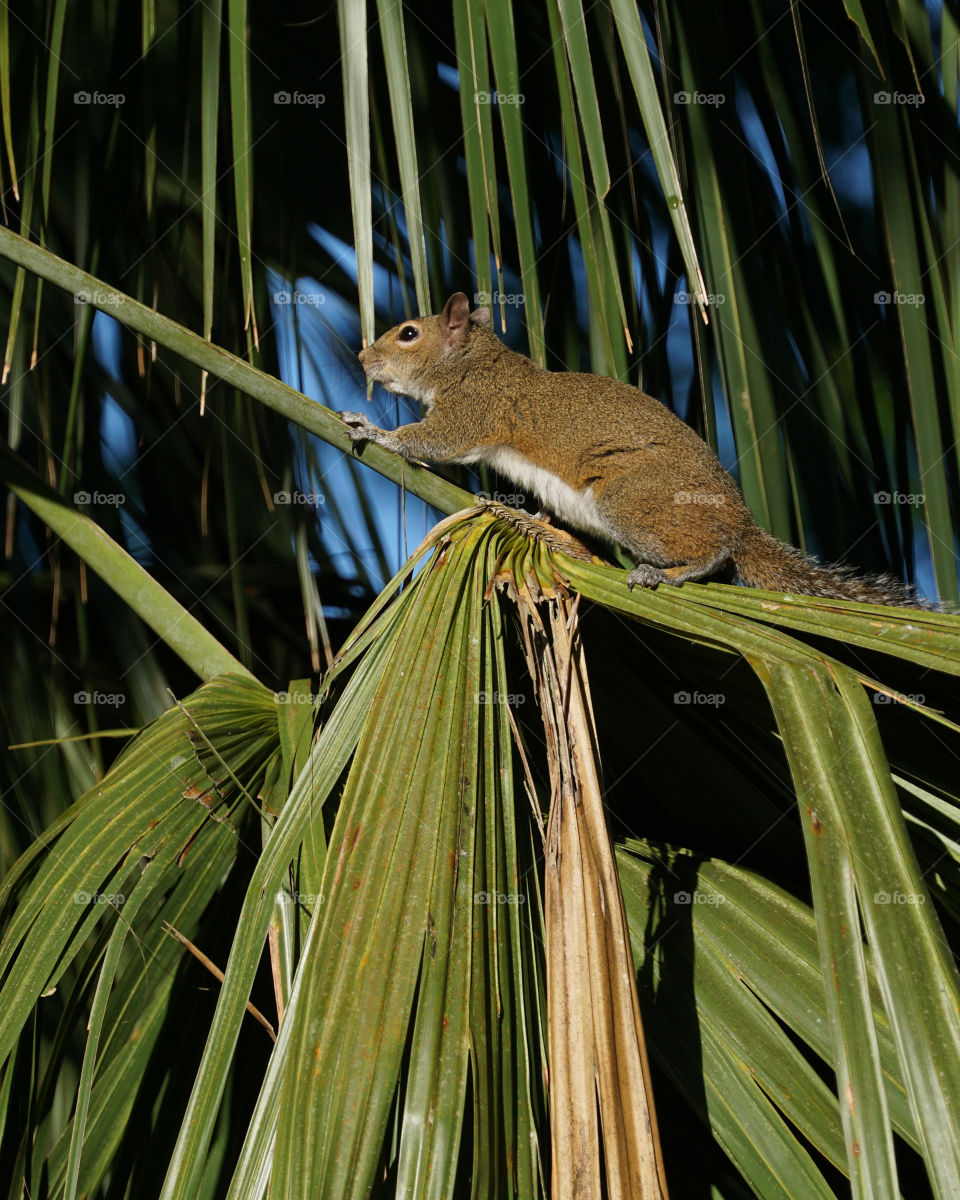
(407, 333)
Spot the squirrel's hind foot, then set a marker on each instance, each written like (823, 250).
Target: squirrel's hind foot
(644, 575)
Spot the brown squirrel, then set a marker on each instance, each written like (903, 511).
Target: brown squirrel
(600, 454)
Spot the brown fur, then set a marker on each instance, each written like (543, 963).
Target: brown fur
(634, 472)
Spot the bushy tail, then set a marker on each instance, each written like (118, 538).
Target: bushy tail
(762, 561)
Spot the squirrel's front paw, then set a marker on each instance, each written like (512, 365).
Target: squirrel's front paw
(644, 575)
(359, 427)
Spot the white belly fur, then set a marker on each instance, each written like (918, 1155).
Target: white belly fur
(577, 507)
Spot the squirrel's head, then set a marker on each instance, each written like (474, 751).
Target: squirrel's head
(410, 358)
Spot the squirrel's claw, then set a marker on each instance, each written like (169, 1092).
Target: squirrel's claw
(646, 576)
(359, 427)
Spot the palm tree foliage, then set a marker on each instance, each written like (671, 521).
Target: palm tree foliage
(393, 860)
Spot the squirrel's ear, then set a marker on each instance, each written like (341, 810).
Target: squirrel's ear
(455, 318)
(481, 316)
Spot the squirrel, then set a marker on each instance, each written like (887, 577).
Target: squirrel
(601, 455)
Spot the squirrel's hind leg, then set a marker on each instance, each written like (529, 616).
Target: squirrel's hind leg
(645, 575)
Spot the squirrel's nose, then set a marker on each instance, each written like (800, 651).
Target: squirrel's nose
(363, 353)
